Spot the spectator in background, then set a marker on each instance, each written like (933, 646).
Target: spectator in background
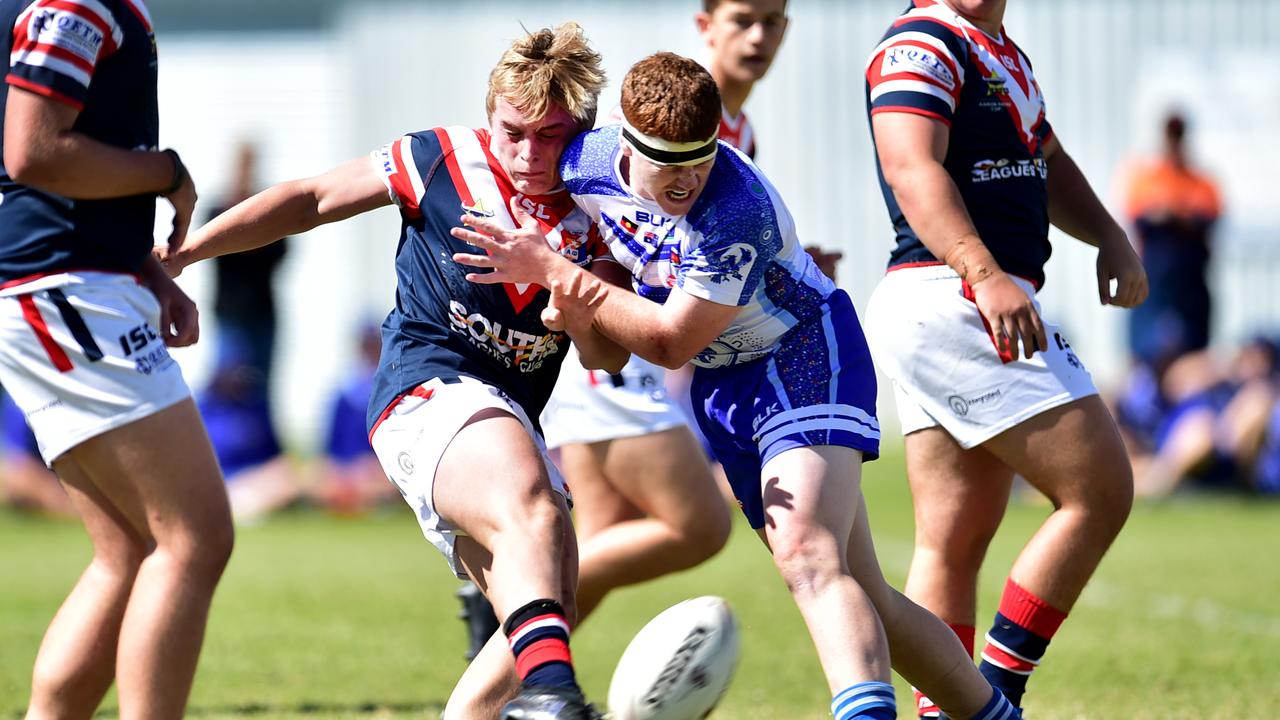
(237, 414)
(244, 302)
(1173, 209)
(25, 482)
(350, 479)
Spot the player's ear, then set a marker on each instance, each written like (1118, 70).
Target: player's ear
(703, 21)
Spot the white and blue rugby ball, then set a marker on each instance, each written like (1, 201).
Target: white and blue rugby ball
(679, 665)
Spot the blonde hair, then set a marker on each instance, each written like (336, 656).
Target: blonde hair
(549, 67)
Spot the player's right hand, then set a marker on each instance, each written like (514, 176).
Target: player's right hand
(1012, 315)
(168, 259)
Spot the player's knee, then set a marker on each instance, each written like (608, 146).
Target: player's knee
(540, 519)
(202, 556)
(805, 558)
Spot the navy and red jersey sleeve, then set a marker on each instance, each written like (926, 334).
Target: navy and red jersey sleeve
(401, 164)
(57, 45)
(917, 68)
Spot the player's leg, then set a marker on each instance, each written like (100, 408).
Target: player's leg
(160, 474)
(959, 497)
(924, 650)
(1073, 454)
(811, 497)
(684, 518)
(515, 516)
(77, 659)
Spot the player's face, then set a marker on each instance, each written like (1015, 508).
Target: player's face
(743, 36)
(674, 187)
(529, 150)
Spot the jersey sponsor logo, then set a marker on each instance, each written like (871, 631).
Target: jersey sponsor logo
(1004, 169)
(66, 31)
(917, 60)
(523, 351)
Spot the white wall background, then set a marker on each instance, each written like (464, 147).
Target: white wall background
(1109, 69)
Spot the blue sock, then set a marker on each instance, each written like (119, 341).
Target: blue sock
(998, 708)
(865, 701)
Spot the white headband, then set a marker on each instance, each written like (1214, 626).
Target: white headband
(666, 152)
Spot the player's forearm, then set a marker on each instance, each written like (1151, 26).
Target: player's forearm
(598, 352)
(76, 166)
(933, 207)
(279, 211)
(1074, 208)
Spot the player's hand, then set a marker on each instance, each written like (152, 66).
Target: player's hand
(520, 255)
(179, 317)
(1012, 315)
(1118, 261)
(573, 304)
(168, 259)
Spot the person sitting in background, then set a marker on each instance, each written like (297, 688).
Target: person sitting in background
(25, 482)
(1201, 424)
(237, 413)
(349, 477)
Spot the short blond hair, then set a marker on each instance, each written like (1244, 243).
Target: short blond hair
(549, 67)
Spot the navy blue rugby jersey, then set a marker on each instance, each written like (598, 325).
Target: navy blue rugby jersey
(99, 57)
(444, 325)
(933, 62)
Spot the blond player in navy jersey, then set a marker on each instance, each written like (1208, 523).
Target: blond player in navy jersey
(86, 319)
(973, 175)
(465, 369)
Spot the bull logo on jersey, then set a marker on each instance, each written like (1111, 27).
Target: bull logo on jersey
(731, 263)
(478, 209)
(513, 348)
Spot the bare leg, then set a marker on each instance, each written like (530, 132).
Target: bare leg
(160, 476)
(646, 506)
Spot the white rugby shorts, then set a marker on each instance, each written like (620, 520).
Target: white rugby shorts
(413, 434)
(590, 406)
(81, 354)
(932, 343)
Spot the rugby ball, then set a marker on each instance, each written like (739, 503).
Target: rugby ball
(679, 664)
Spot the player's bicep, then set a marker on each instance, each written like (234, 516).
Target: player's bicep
(32, 124)
(904, 140)
(347, 190)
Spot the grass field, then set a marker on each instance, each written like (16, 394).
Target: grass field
(321, 617)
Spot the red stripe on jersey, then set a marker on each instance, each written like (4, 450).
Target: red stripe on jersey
(1012, 663)
(48, 92)
(924, 263)
(455, 172)
(33, 317)
(419, 391)
(540, 653)
(140, 11)
(36, 276)
(913, 111)
(104, 25)
(400, 182)
(61, 54)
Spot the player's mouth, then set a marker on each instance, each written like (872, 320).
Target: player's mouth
(678, 195)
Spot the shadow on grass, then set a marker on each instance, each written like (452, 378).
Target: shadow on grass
(302, 709)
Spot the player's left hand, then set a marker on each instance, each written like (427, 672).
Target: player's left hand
(520, 255)
(1118, 261)
(179, 317)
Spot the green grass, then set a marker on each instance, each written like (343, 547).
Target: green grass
(355, 618)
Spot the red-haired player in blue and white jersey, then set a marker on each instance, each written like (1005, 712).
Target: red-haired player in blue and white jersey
(86, 318)
(973, 175)
(465, 369)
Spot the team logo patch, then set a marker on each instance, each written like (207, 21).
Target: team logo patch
(478, 209)
(919, 61)
(731, 263)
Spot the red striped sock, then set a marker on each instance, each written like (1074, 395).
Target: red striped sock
(925, 707)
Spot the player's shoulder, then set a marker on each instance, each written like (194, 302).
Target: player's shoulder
(587, 165)
(738, 201)
(933, 25)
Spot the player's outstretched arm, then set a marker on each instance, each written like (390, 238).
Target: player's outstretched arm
(289, 208)
(670, 334)
(911, 149)
(1076, 210)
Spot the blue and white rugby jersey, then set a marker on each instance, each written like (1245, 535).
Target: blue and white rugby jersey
(736, 246)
